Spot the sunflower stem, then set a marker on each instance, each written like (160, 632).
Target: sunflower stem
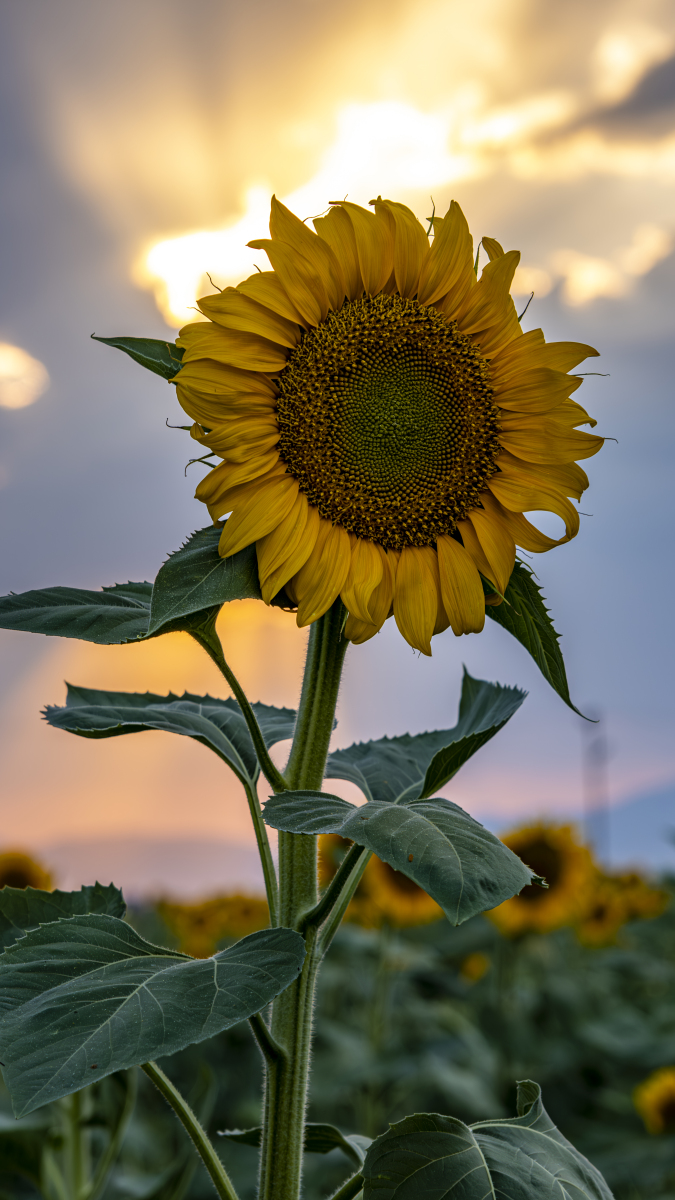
(205, 1148)
(286, 1077)
(265, 852)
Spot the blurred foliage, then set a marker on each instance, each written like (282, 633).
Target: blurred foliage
(414, 1017)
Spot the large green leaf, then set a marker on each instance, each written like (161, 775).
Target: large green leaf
(526, 616)
(319, 1139)
(464, 867)
(441, 1158)
(215, 723)
(84, 997)
(393, 769)
(22, 909)
(162, 358)
(115, 614)
(196, 577)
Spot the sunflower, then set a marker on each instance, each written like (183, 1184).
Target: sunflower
(382, 420)
(474, 967)
(383, 895)
(554, 852)
(20, 870)
(613, 901)
(200, 927)
(654, 1099)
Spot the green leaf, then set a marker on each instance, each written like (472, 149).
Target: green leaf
(526, 616)
(84, 997)
(319, 1139)
(441, 1158)
(464, 867)
(163, 358)
(22, 909)
(392, 769)
(217, 724)
(115, 614)
(196, 577)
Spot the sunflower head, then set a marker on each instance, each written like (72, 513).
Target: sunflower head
(21, 870)
(654, 1100)
(200, 928)
(383, 896)
(613, 901)
(382, 420)
(554, 852)
(474, 967)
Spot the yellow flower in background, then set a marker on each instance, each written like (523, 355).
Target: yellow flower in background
(654, 1099)
(474, 967)
(21, 870)
(554, 852)
(383, 421)
(200, 927)
(613, 902)
(383, 894)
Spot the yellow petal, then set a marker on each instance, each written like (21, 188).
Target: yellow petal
(539, 440)
(535, 391)
(260, 513)
(319, 582)
(215, 490)
(571, 413)
(237, 440)
(233, 310)
(359, 632)
(337, 230)
(411, 246)
(461, 588)
(212, 410)
(298, 278)
(243, 350)
(448, 271)
(497, 544)
(283, 552)
(365, 574)
(416, 596)
(266, 288)
(374, 246)
(475, 550)
(520, 491)
(218, 378)
(286, 227)
(531, 351)
(492, 248)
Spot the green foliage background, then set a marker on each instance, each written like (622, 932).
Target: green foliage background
(399, 1029)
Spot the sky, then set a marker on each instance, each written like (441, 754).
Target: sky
(140, 145)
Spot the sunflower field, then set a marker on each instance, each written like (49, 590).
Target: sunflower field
(411, 1011)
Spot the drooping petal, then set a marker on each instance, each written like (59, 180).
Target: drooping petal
(411, 246)
(283, 552)
(475, 550)
(319, 582)
(524, 533)
(365, 574)
(497, 545)
(259, 514)
(374, 246)
(359, 632)
(448, 271)
(337, 230)
(231, 309)
(523, 490)
(461, 588)
(215, 489)
(416, 596)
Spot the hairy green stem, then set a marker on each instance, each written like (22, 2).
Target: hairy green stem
(286, 1078)
(350, 1189)
(265, 852)
(355, 862)
(205, 1148)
